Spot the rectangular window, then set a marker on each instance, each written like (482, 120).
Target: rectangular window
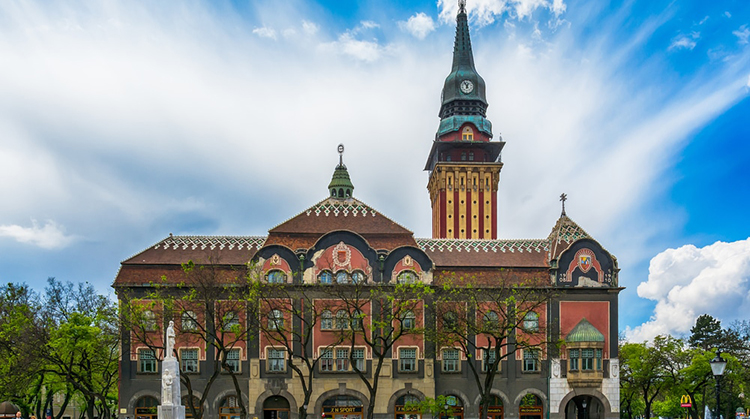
(326, 359)
(573, 359)
(233, 360)
(407, 359)
(359, 358)
(587, 359)
(189, 360)
(530, 360)
(342, 359)
(598, 359)
(450, 360)
(146, 361)
(489, 359)
(276, 360)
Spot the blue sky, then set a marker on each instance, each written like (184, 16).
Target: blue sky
(124, 121)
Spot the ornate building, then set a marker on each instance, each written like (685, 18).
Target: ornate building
(341, 241)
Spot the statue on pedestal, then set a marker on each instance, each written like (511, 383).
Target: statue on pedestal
(171, 404)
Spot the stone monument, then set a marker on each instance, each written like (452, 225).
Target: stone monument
(171, 405)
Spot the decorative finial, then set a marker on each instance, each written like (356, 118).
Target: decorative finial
(563, 198)
(341, 154)
(461, 6)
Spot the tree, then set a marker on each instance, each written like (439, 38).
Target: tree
(490, 322)
(706, 333)
(286, 315)
(208, 303)
(390, 307)
(642, 374)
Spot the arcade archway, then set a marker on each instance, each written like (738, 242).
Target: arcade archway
(276, 407)
(584, 407)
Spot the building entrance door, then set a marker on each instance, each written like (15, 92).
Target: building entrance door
(276, 407)
(584, 407)
(342, 407)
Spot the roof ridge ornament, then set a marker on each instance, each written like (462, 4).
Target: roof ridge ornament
(341, 186)
(563, 198)
(461, 6)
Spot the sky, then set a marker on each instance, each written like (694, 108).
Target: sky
(122, 121)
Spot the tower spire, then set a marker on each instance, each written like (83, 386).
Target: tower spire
(341, 186)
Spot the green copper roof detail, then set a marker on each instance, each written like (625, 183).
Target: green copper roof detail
(341, 186)
(454, 123)
(584, 332)
(464, 89)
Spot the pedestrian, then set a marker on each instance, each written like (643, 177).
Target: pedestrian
(32, 417)
(18, 415)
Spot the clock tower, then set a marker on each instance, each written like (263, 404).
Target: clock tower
(464, 163)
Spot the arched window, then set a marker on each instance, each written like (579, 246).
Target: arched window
(342, 277)
(491, 321)
(531, 322)
(342, 319)
(357, 318)
(276, 277)
(467, 134)
(326, 320)
(230, 408)
(326, 277)
(341, 193)
(275, 320)
(407, 277)
(450, 320)
(188, 321)
(149, 320)
(231, 320)
(358, 277)
(409, 321)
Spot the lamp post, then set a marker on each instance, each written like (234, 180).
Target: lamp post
(718, 365)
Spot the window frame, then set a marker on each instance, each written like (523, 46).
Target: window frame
(326, 360)
(275, 364)
(143, 361)
(486, 362)
(195, 362)
(325, 274)
(341, 360)
(530, 362)
(326, 320)
(235, 363)
(574, 359)
(409, 317)
(275, 320)
(531, 325)
(403, 365)
(230, 319)
(454, 366)
(188, 321)
(342, 320)
(407, 277)
(274, 273)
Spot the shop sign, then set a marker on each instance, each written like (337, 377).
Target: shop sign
(686, 401)
(343, 409)
(531, 409)
(495, 409)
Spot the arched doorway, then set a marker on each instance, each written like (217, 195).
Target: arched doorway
(229, 408)
(495, 409)
(584, 407)
(276, 407)
(342, 407)
(406, 407)
(145, 408)
(454, 407)
(531, 407)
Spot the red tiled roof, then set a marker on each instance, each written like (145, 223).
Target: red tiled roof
(486, 253)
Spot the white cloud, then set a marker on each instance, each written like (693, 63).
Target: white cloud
(742, 34)
(748, 81)
(367, 51)
(419, 25)
(49, 236)
(368, 24)
(685, 41)
(727, 14)
(689, 281)
(310, 28)
(487, 11)
(265, 32)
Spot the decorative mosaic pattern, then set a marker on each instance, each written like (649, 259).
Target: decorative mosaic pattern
(568, 231)
(211, 242)
(339, 207)
(466, 245)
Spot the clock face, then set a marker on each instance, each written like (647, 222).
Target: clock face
(467, 86)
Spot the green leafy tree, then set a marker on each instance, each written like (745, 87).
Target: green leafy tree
(208, 303)
(391, 306)
(642, 376)
(490, 322)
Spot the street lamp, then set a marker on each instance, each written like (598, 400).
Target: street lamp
(718, 365)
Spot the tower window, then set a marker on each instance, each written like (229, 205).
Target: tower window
(471, 156)
(467, 134)
(463, 156)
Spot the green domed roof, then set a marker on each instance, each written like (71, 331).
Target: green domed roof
(584, 332)
(341, 186)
